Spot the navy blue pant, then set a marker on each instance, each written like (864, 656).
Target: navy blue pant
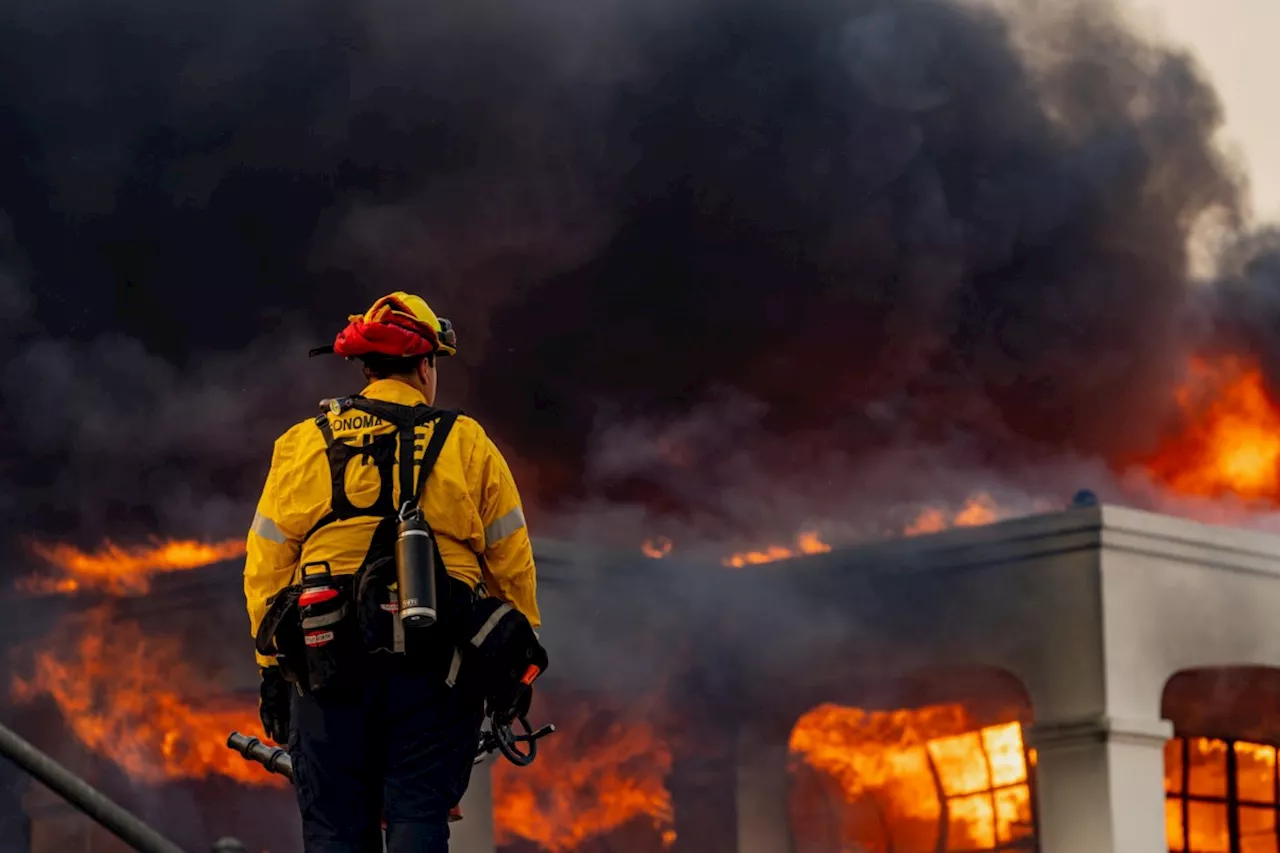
(399, 746)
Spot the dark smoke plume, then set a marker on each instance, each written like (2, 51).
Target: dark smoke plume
(802, 241)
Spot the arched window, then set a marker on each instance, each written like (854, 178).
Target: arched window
(926, 780)
(1221, 796)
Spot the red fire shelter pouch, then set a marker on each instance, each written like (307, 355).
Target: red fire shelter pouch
(330, 636)
(311, 630)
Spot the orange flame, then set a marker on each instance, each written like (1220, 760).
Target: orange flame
(136, 701)
(124, 571)
(978, 510)
(807, 542)
(656, 548)
(584, 787)
(925, 771)
(1232, 443)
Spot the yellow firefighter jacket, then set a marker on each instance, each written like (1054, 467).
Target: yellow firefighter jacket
(470, 501)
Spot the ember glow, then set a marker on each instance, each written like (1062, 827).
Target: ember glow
(808, 542)
(1231, 445)
(589, 780)
(119, 570)
(924, 775)
(135, 700)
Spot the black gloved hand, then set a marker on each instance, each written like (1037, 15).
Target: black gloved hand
(273, 704)
(510, 702)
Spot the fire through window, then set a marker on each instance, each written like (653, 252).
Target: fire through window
(910, 781)
(1221, 796)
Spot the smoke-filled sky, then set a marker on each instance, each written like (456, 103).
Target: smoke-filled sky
(705, 257)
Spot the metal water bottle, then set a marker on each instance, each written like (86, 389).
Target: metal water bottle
(415, 570)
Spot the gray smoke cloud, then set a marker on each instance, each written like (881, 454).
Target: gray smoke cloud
(119, 441)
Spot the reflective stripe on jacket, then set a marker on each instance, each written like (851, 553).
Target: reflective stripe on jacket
(470, 501)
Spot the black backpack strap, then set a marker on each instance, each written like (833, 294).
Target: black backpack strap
(444, 425)
(322, 421)
(407, 436)
(395, 413)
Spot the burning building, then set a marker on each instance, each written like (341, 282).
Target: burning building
(1057, 683)
(1062, 682)
(721, 260)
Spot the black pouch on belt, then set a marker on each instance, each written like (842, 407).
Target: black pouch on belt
(280, 635)
(329, 631)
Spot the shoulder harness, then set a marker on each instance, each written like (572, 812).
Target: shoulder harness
(380, 450)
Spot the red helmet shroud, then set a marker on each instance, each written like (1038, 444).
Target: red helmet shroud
(392, 336)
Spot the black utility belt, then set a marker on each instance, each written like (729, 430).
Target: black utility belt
(322, 638)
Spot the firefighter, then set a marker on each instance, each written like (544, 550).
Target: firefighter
(380, 720)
